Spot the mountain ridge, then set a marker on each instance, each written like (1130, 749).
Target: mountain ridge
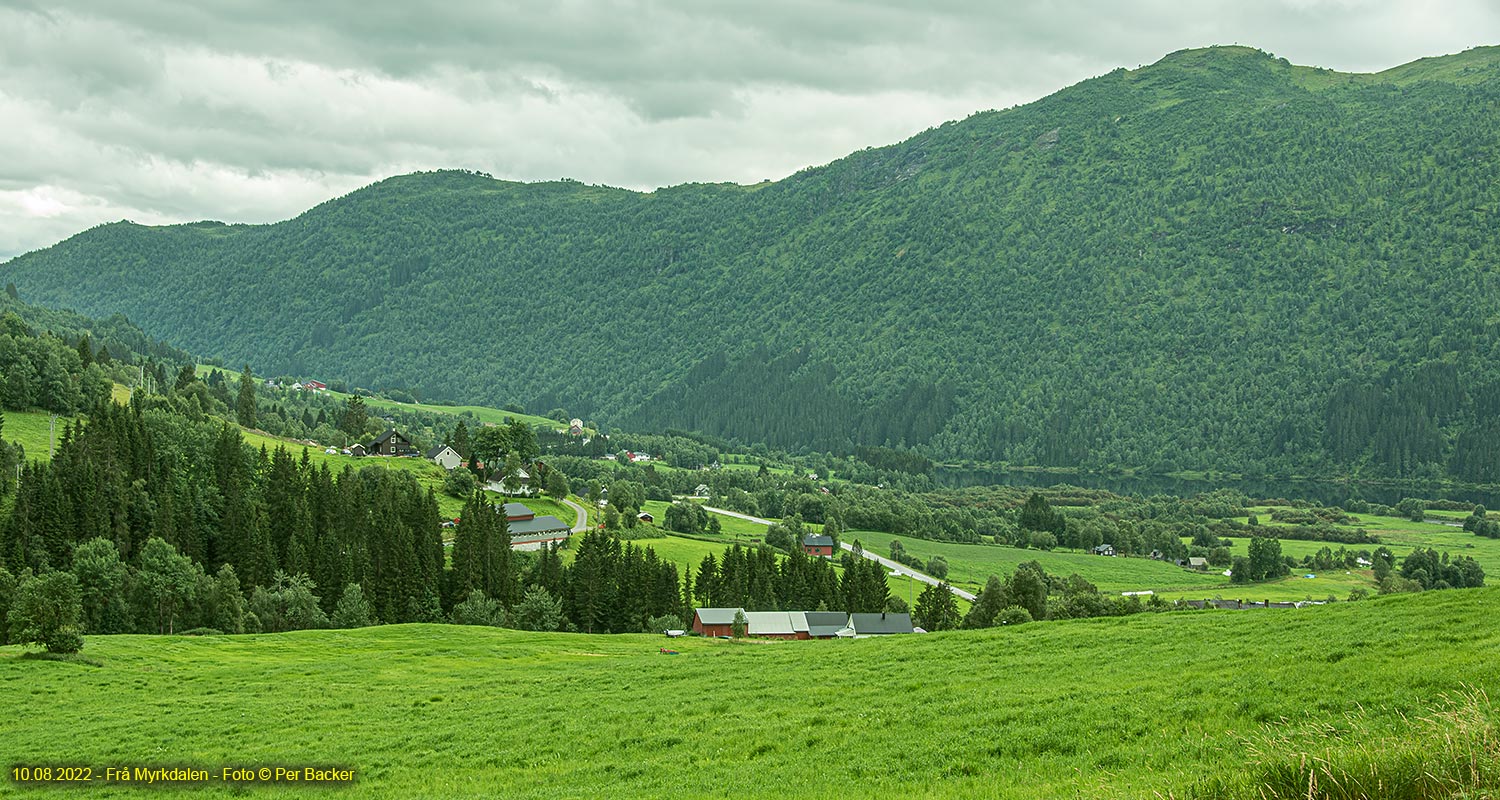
(1150, 268)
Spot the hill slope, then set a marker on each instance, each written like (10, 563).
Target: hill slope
(1153, 705)
(1220, 260)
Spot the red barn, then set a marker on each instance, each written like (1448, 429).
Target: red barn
(818, 545)
(715, 621)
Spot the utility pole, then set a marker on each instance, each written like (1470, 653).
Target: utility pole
(51, 436)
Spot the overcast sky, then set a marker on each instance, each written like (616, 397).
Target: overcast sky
(254, 110)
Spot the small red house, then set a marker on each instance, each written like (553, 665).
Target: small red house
(818, 545)
(316, 386)
(715, 621)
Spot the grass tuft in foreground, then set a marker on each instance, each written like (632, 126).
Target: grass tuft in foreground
(1453, 751)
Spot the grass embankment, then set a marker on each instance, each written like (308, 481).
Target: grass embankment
(1152, 705)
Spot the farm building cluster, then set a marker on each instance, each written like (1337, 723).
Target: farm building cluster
(531, 532)
(800, 624)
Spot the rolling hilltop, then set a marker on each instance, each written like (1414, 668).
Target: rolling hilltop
(1220, 261)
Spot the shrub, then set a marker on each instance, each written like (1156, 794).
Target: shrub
(46, 610)
(478, 609)
(460, 483)
(1013, 615)
(538, 611)
(663, 623)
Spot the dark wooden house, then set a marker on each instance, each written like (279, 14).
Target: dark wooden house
(391, 443)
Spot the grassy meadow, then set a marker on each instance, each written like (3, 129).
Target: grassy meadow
(971, 564)
(1185, 704)
(493, 416)
(31, 430)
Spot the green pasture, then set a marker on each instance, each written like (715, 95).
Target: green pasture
(1399, 534)
(731, 529)
(970, 565)
(494, 416)
(1154, 705)
(30, 429)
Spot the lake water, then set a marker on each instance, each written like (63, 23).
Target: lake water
(1325, 492)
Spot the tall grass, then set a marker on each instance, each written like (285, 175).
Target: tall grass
(1452, 752)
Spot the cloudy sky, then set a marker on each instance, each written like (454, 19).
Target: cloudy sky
(254, 110)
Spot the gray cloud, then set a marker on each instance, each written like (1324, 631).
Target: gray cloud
(161, 111)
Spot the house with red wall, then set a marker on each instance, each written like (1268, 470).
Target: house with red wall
(818, 545)
(715, 621)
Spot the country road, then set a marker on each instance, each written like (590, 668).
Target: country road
(898, 568)
(583, 516)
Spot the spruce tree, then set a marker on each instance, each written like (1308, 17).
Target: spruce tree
(353, 610)
(244, 407)
(355, 417)
(459, 441)
(936, 609)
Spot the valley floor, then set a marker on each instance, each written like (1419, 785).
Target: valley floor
(1151, 705)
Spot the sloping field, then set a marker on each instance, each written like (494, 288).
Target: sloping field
(970, 565)
(1146, 706)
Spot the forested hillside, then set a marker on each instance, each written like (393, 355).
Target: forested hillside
(1217, 261)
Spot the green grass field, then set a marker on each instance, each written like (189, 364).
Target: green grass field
(1146, 706)
(731, 529)
(482, 413)
(970, 565)
(30, 429)
(1399, 534)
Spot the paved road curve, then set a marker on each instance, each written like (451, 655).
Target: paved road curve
(898, 568)
(583, 516)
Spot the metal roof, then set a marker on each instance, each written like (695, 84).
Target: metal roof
(547, 524)
(823, 624)
(817, 540)
(767, 623)
(879, 624)
(718, 616)
(389, 433)
(513, 510)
